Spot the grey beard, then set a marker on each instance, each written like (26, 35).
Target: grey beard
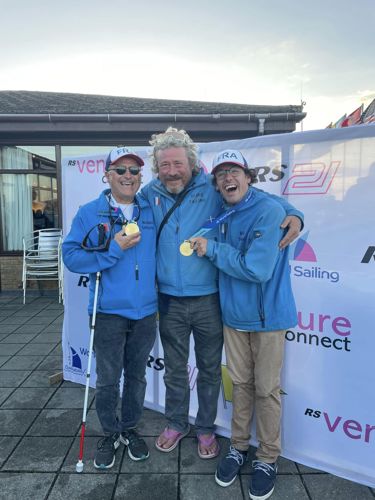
(175, 190)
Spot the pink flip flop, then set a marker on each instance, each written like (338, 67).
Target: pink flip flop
(170, 434)
(207, 442)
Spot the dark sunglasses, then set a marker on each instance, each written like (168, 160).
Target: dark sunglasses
(122, 170)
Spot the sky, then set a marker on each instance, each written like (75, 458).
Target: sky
(239, 51)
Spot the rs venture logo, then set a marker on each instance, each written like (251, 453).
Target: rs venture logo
(302, 251)
(348, 427)
(311, 178)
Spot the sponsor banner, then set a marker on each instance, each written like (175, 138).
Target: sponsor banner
(328, 420)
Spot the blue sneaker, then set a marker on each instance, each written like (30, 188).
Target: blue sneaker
(229, 466)
(262, 482)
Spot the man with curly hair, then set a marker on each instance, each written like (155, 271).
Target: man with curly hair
(182, 199)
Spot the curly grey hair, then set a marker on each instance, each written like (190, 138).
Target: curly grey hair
(173, 138)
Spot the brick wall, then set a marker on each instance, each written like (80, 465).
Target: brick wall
(11, 275)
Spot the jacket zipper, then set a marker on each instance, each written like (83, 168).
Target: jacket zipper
(261, 306)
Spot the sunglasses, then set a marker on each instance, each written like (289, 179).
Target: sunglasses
(122, 170)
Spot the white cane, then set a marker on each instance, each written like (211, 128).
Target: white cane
(79, 464)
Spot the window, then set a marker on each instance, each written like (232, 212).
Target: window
(28, 193)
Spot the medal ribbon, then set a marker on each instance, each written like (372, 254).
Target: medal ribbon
(212, 222)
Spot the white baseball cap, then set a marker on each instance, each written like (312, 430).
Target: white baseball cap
(229, 156)
(118, 153)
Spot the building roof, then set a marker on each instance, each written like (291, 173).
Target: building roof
(33, 102)
(60, 118)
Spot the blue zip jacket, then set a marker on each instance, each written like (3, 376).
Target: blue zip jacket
(127, 285)
(254, 277)
(188, 276)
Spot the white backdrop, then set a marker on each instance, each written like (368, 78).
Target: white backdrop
(328, 376)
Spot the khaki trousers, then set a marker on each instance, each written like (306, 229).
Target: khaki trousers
(254, 361)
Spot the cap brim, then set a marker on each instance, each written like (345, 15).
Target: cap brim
(138, 159)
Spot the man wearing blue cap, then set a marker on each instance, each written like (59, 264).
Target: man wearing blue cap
(115, 234)
(257, 307)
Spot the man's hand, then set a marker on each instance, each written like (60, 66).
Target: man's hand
(293, 223)
(126, 242)
(199, 245)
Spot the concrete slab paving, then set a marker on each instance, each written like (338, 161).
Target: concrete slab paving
(83, 486)
(16, 422)
(27, 328)
(39, 455)
(27, 486)
(148, 487)
(6, 327)
(158, 462)
(204, 486)
(40, 433)
(69, 398)
(28, 398)
(3, 360)
(38, 379)
(51, 363)
(35, 349)
(4, 393)
(9, 348)
(327, 486)
(62, 422)
(19, 338)
(12, 378)
(22, 363)
(7, 445)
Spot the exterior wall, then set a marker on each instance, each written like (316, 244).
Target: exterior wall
(11, 272)
(11, 276)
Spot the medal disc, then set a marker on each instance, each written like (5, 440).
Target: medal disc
(131, 228)
(185, 249)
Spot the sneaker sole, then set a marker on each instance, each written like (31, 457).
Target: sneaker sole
(136, 459)
(221, 483)
(263, 497)
(116, 444)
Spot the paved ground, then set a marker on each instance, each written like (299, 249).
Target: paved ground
(40, 425)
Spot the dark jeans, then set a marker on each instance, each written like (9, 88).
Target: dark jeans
(178, 317)
(121, 344)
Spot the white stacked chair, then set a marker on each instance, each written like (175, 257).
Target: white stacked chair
(42, 258)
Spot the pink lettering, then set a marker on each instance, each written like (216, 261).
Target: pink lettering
(322, 318)
(331, 427)
(91, 166)
(369, 428)
(342, 322)
(354, 426)
(310, 325)
(340, 325)
(79, 165)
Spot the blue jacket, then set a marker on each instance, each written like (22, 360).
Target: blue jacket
(254, 277)
(188, 276)
(127, 285)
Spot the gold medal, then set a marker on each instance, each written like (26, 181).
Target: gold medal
(131, 228)
(185, 249)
